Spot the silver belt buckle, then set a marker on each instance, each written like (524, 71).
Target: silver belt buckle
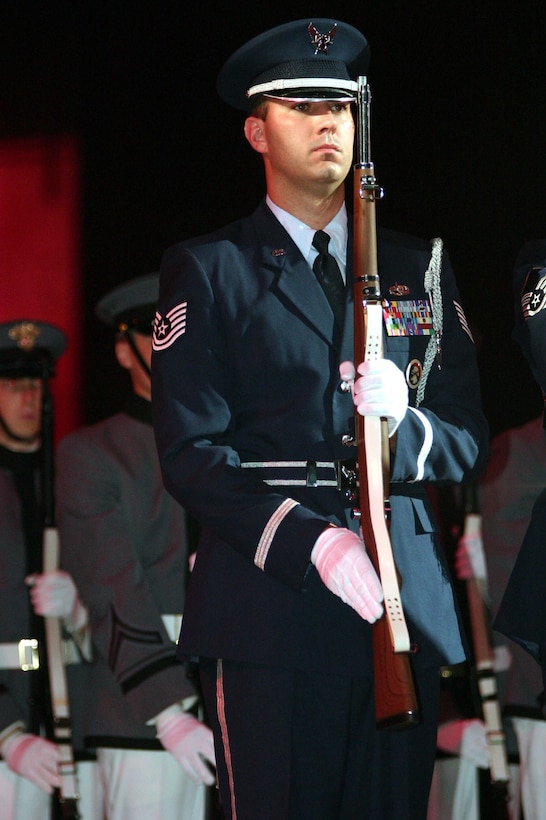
(346, 473)
(311, 474)
(29, 659)
(347, 478)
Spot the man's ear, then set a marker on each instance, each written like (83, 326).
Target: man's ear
(124, 354)
(255, 134)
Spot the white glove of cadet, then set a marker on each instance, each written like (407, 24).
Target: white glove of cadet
(32, 757)
(54, 594)
(345, 568)
(189, 741)
(467, 738)
(380, 390)
(470, 558)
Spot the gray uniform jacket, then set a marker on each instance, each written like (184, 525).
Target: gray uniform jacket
(509, 487)
(15, 621)
(24, 693)
(245, 370)
(123, 539)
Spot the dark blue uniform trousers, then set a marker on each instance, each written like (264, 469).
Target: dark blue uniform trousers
(304, 746)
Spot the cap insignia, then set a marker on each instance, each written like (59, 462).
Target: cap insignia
(24, 335)
(321, 41)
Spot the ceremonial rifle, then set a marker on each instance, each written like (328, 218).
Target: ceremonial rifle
(213, 806)
(395, 700)
(66, 797)
(494, 793)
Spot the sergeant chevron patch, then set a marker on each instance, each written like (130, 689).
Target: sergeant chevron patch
(462, 319)
(534, 300)
(168, 328)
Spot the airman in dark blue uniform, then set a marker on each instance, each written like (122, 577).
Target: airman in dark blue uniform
(251, 416)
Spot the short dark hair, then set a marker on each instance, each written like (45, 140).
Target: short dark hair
(259, 106)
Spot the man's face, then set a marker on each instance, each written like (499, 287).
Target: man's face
(20, 412)
(140, 379)
(306, 145)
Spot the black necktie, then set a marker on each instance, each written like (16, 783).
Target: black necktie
(329, 275)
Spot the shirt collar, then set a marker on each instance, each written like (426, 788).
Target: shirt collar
(303, 235)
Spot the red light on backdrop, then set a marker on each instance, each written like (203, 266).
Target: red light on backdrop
(40, 259)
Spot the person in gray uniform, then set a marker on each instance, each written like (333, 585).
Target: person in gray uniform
(509, 560)
(125, 546)
(521, 609)
(29, 771)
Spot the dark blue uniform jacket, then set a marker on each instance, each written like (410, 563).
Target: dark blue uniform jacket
(245, 369)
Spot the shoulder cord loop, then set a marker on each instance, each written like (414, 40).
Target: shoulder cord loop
(433, 289)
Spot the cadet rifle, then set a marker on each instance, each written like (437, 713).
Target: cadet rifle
(65, 799)
(395, 699)
(494, 792)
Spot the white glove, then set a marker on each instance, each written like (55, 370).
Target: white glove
(189, 741)
(467, 738)
(470, 558)
(54, 594)
(345, 568)
(33, 757)
(381, 390)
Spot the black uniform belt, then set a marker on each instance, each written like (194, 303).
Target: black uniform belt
(340, 474)
(24, 654)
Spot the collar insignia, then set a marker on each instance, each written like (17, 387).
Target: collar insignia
(24, 335)
(321, 41)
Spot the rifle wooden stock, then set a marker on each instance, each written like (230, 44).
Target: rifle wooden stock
(213, 807)
(395, 698)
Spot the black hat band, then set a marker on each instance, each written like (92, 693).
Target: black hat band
(18, 365)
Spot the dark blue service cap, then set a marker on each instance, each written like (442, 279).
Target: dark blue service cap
(316, 59)
(27, 346)
(132, 305)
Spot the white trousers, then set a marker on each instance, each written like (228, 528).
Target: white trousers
(531, 735)
(143, 785)
(124, 784)
(454, 794)
(22, 800)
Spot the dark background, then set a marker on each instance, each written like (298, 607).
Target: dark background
(457, 135)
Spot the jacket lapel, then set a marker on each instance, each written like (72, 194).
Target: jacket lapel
(293, 279)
